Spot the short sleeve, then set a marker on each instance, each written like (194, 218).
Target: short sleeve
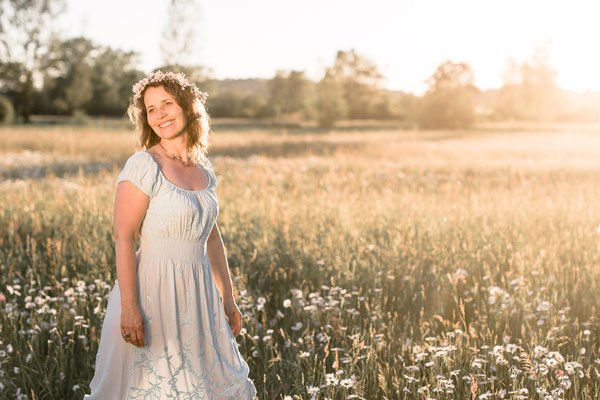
(141, 170)
(209, 168)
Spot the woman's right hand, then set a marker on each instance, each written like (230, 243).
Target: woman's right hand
(132, 325)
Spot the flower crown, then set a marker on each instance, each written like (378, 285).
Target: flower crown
(159, 76)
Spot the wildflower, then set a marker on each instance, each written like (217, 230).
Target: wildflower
(321, 337)
(348, 382)
(460, 275)
(544, 307)
(554, 358)
(542, 369)
(287, 303)
(539, 351)
(573, 367)
(297, 326)
(511, 348)
(304, 354)
(565, 382)
(312, 390)
(331, 380)
(413, 368)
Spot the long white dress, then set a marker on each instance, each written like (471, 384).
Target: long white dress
(190, 351)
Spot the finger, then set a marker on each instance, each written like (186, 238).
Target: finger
(236, 325)
(140, 335)
(135, 340)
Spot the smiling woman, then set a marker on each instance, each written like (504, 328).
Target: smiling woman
(164, 113)
(171, 319)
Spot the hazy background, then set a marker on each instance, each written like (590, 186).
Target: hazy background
(310, 61)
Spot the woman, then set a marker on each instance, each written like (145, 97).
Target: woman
(171, 321)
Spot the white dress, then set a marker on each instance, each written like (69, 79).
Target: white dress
(190, 351)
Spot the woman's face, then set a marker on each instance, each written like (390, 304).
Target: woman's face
(165, 116)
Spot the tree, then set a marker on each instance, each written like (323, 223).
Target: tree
(178, 46)
(288, 93)
(233, 104)
(530, 91)
(68, 73)
(331, 104)
(25, 30)
(114, 73)
(449, 101)
(80, 75)
(360, 80)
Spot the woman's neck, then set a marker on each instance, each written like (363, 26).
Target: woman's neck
(175, 147)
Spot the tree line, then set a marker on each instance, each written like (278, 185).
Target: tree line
(52, 76)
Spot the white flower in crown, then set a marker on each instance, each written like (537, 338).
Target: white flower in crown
(159, 76)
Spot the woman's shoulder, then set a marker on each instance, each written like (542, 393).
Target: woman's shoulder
(139, 157)
(140, 169)
(205, 162)
(143, 160)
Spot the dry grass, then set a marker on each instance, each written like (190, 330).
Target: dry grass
(416, 263)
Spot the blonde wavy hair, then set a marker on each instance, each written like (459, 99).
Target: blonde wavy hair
(189, 98)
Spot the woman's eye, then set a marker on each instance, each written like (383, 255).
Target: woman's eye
(150, 111)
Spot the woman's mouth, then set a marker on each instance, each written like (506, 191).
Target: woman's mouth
(166, 124)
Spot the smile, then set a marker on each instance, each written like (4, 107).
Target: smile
(165, 124)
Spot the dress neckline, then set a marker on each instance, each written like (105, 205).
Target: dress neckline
(209, 178)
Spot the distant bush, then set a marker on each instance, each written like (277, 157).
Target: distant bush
(7, 111)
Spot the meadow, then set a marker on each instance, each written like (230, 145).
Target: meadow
(370, 263)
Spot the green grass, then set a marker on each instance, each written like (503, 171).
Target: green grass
(443, 265)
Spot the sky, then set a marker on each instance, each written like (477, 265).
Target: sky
(406, 39)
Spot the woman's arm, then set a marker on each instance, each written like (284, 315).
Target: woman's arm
(130, 208)
(218, 264)
(220, 272)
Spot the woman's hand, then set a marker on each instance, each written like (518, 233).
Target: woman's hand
(234, 316)
(132, 325)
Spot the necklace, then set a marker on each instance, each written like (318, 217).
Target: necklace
(174, 157)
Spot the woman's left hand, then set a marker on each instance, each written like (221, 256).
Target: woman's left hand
(234, 316)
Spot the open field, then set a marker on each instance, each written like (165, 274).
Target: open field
(373, 264)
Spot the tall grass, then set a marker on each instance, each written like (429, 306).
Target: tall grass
(374, 265)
